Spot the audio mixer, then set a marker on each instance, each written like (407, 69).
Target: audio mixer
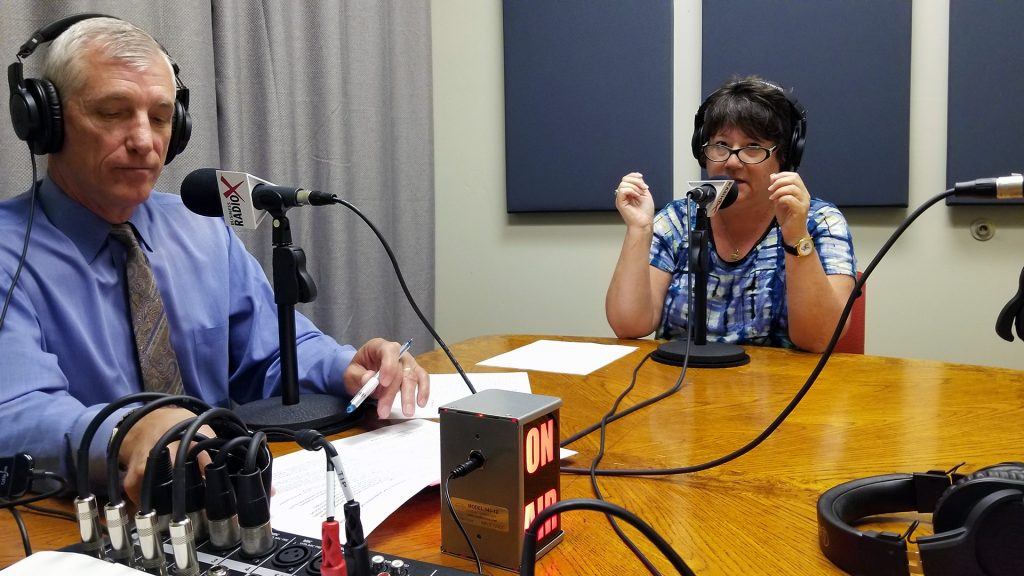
(292, 556)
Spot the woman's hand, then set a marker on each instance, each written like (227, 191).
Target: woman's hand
(634, 201)
(791, 201)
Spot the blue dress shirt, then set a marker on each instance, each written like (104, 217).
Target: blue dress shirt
(66, 347)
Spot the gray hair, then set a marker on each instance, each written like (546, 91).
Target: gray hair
(115, 39)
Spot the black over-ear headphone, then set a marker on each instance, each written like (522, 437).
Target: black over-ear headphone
(798, 134)
(978, 522)
(35, 104)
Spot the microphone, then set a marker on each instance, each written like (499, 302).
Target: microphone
(1003, 187)
(713, 195)
(242, 199)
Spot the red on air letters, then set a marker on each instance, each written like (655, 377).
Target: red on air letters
(533, 508)
(540, 446)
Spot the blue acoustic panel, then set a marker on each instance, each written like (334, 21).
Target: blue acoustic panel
(588, 98)
(848, 63)
(985, 131)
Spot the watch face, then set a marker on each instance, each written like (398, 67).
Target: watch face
(804, 247)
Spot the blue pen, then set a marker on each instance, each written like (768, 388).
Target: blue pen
(372, 383)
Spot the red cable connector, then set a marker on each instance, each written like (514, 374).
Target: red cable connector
(333, 563)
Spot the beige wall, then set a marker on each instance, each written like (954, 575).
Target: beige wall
(935, 296)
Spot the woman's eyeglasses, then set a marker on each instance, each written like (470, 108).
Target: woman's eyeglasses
(746, 154)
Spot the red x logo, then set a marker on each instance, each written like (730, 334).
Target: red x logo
(231, 189)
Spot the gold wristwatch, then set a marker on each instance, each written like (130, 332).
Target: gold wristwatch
(803, 247)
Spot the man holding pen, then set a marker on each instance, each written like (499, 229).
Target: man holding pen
(373, 383)
(123, 289)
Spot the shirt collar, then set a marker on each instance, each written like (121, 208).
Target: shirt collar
(87, 231)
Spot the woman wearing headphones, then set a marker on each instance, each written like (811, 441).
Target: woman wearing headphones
(782, 262)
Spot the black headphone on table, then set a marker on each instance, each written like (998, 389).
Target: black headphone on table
(35, 104)
(978, 522)
(798, 132)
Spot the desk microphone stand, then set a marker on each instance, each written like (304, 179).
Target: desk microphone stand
(703, 354)
(292, 284)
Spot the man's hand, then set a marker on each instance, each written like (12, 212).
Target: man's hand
(397, 375)
(143, 436)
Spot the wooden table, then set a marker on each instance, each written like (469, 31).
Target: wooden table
(866, 415)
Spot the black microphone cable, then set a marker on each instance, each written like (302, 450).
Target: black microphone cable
(474, 462)
(178, 484)
(189, 403)
(16, 483)
(356, 553)
(36, 185)
(25, 543)
(87, 509)
(807, 384)
(528, 558)
(159, 463)
(408, 295)
(613, 414)
(62, 485)
(156, 485)
(355, 558)
(51, 512)
(181, 528)
(613, 411)
(116, 510)
(219, 499)
(214, 444)
(82, 462)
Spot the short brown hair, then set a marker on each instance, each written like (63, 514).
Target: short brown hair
(755, 106)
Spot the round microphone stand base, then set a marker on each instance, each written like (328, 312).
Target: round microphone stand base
(710, 355)
(321, 412)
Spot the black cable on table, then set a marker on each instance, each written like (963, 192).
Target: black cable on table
(807, 384)
(24, 531)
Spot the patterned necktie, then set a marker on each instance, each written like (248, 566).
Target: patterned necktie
(157, 361)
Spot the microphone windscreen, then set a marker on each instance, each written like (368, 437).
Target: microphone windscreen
(200, 193)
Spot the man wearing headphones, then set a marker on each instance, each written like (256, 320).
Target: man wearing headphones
(110, 112)
(782, 263)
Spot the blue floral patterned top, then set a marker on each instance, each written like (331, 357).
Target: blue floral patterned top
(747, 298)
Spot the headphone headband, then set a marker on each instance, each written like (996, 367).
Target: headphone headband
(964, 510)
(52, 30)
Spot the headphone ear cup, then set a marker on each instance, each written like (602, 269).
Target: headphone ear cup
(697, 140)
(49, 133)
(799, 135)
(796, 149)
(37, 115)
(998, 524)
(24, 113)
(181, 131)
(953, 507)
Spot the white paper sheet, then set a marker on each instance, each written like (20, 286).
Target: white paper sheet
(384, 467)
(580, 358)
(445, 388)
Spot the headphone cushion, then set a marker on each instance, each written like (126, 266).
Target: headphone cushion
(181, 131)
(955, 504)
(49, 133)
